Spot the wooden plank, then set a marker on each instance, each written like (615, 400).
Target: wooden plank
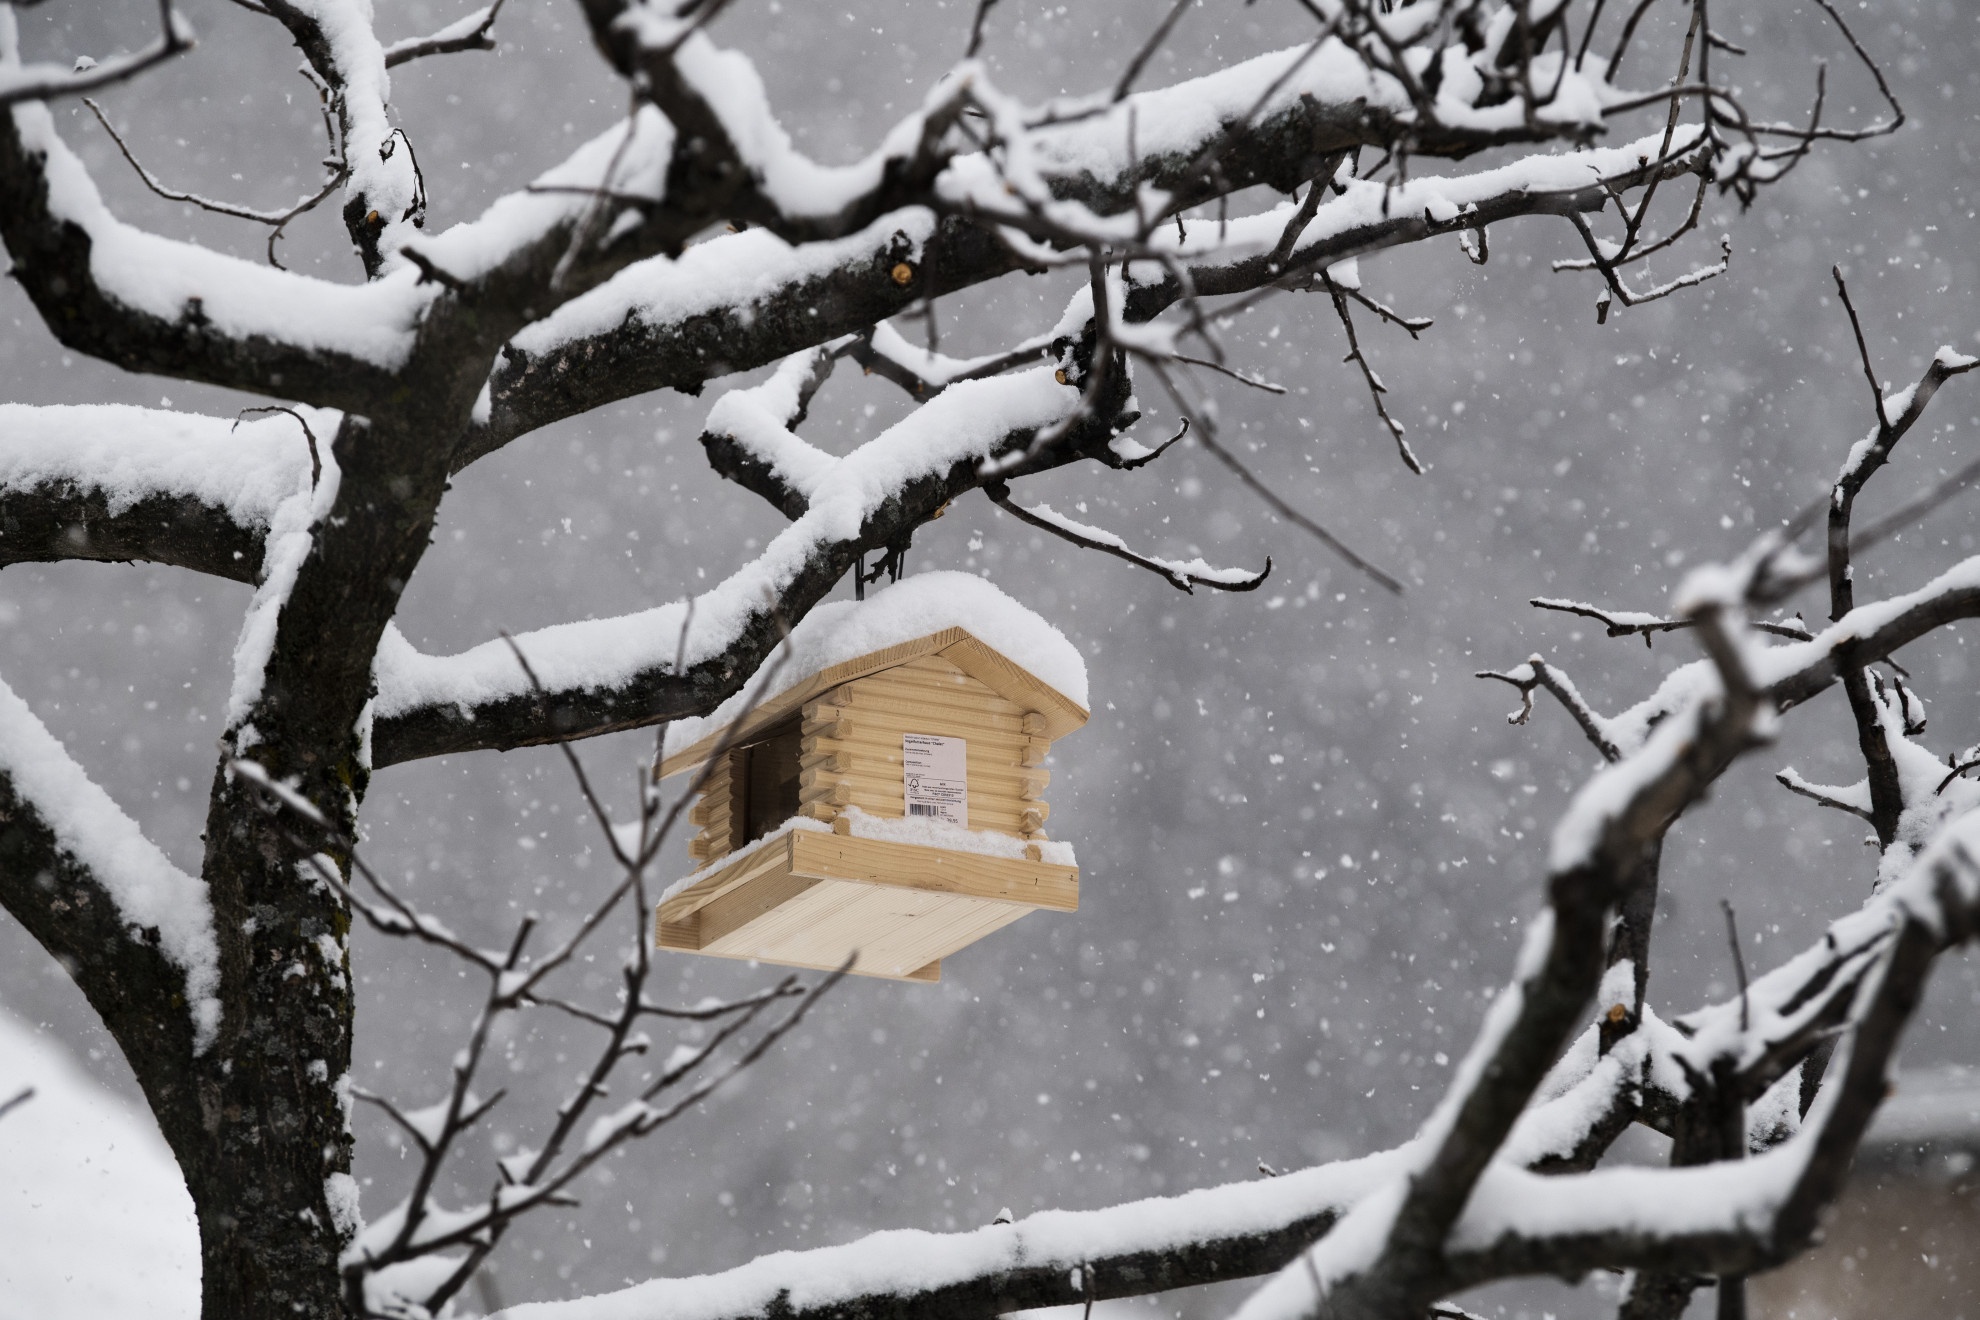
(921, 974)
(732, 912)
(980, 716)
(838, 762)
(811, 899)
(780, 705)
(877, 741)
(872, 748)
(717, 883)
(996, 817)
(984, 673)
(935, 870)
(683, 936)
(987, 776)
(989, 666)
(907, 690)
(893, 933)
(833, 918)
(1012, 682)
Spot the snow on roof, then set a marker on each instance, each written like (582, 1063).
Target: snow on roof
(913, 608)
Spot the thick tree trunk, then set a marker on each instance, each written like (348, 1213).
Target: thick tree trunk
(267, 1150)
(267, 1154)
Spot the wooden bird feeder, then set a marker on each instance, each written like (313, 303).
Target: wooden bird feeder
(888, 808)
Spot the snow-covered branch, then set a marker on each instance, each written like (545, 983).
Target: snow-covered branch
(43, 82)
(108, 482)
(1537, 673)
(1852, 798)
(1735, 1218)
(1636, 623)
(1184, 575)
(650, 327)
(621, 673)
(78, 873)
(147, 303)
(469, 32)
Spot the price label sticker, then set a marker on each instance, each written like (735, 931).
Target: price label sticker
(935, 777)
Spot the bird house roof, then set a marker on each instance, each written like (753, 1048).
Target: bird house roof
(962, 618)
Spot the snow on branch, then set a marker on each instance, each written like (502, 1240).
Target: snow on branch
(923, 372)
(640, 330)
(1463, 1212)
(1459, 1217)
(67, 829)
(1184, 575)
(620, 673)
(469, 32)
(1056, 1257)
(1537, 673)
(1854, 799)
(384, 193)
(1634, 623)
(43, 82)
(149, 303)
(110, 482)
(1737, 1217)
(1791, 674)
(751, 436)
(1797, 671)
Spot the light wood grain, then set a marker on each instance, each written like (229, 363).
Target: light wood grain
(935, 870)
(813, 899)
(1059, 714)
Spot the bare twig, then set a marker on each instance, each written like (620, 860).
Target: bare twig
(315, 458)
(1184, 577)
(1148, 49)
(983, 8)
(1206, 437)
(278, 219)
(1862, 351)
(1630, 623)
(43, 82)
(1376, 389)
(1739, 961)
(1238, 376)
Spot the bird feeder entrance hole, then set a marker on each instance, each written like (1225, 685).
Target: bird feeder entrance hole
(888, 809)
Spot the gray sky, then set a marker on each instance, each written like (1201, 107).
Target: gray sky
(1307, 836)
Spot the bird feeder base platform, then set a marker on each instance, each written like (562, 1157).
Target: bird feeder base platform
(812, 898)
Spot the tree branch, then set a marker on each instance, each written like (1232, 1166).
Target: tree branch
(420, 713)
(463, 34)
(1855, 800)
(1634, 623)
(43, 82)
(1185, 577)
(1536, 672)
(133, 932)
(567, 364)
(208, 317)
